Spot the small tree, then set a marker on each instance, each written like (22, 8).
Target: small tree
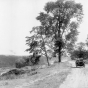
(38, 42)
(86, 42)
(34, 59)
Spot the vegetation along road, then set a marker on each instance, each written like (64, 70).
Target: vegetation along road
(61, 75)
(77, 78)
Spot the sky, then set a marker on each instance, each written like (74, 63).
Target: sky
(17, 17)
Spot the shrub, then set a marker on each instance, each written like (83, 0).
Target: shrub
(28, 61)
(11, 74)
(35, 60)
(22, 62)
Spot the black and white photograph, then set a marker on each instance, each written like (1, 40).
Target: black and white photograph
(43, 44)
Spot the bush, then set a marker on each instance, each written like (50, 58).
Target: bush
(11, 74)
(35, 60)
(22, 62)
(27, 61)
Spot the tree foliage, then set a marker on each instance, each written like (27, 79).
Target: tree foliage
(79, 54)
(38, 42)
(28, 61)
(57, 23)
(80, 51)
(87, 41)
(57, 29)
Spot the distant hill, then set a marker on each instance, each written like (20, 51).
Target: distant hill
(8, 60)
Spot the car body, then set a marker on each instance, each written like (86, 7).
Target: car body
(80, 62)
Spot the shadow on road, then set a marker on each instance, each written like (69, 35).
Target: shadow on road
(78, 67)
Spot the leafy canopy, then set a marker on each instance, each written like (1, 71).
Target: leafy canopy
(57, 29)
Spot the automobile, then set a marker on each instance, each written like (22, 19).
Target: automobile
(80, 62)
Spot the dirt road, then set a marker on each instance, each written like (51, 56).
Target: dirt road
(78, 78)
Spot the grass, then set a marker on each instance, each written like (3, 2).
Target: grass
(55, 80)
(8, 61)
(51, 82)
(47, 77)
(34, 70)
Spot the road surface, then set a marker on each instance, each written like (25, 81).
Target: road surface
(78, 78)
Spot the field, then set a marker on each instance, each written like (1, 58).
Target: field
(51, 76)
(8, 60)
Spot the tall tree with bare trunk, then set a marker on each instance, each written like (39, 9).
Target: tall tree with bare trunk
(60, 21)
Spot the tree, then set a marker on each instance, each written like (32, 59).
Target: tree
(80, 51)
(57, 23)
(38, 42)
(87, 41)
(81, 46)
(71, 39)
(35, 58)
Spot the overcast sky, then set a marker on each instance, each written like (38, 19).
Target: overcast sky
(17, 17)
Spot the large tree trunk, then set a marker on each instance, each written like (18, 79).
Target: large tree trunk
(59, 55)
(59, 38)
